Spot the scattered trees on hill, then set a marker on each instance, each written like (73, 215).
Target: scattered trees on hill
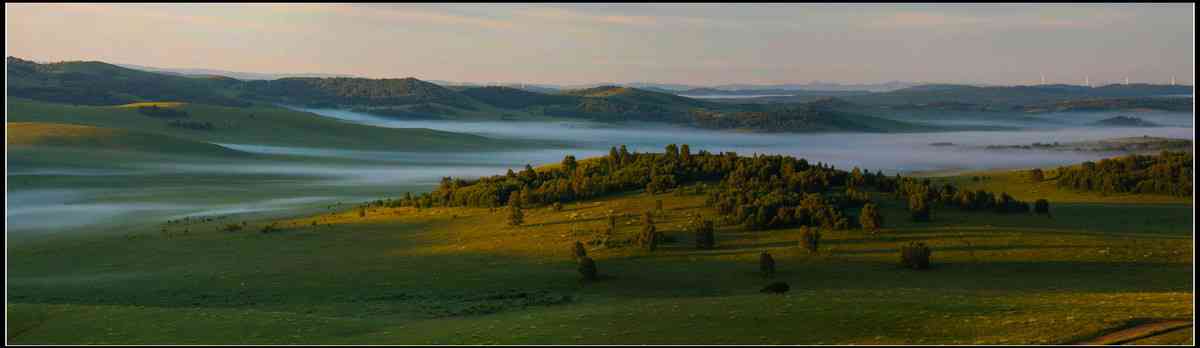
(1167, 173)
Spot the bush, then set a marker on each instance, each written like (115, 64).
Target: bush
(578, 251)
(232, 228)
(556, 206)
(658, 205)
(810, 238)
(869, 218)
(1036, 175)
(766, 264)
(705, 238)
(587, 268)
(1041, 206)
(269, 228)
(915, 255)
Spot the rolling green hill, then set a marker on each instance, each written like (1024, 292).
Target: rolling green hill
(37, 134)
(259, 124)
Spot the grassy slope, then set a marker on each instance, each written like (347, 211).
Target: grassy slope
(261, 125)
(406, 276)
(37, 134)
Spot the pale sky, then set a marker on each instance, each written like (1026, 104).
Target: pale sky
(700, 44)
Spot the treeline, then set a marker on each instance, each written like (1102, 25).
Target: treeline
(193, 125)
(1167, 173)
(347, 91)
(160, 112)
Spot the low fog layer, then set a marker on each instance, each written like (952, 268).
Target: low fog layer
(77, 198)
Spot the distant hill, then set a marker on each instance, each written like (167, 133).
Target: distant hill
(1176, 104)
(225, 73)
(98, 83)
(1008, 98)
(348, 91)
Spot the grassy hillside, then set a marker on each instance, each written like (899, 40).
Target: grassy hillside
(461, 276)
(98, 83)
(259, 124)
(36, 134)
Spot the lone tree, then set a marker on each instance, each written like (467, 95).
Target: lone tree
(919, 207)
(869, 218)
(704, 235)
(915, 255)
(1041, 206)
(766, 264)
(1036, 175)
(649, 237)
(810, 238)
(515, 216)
(578, 251)
(587, 268)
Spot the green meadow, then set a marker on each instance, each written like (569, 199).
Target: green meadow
(462, 276)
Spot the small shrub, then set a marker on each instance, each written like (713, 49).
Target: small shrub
(766, 264)
(810, 239)
(587, 268)
(1041, 206)
(915, 255)
(1036, 175)
(233, 228)
(362, 212)
(658, 205)
(556, 206)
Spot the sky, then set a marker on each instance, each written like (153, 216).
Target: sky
(697, 44)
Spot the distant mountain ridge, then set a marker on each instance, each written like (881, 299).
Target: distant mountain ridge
(234, 74)
(98, 83)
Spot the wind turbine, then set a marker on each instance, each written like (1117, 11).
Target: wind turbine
(1087, 81)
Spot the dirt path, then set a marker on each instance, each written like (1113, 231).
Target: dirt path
(1136, 332)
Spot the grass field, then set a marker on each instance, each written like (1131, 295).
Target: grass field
(461, 275)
